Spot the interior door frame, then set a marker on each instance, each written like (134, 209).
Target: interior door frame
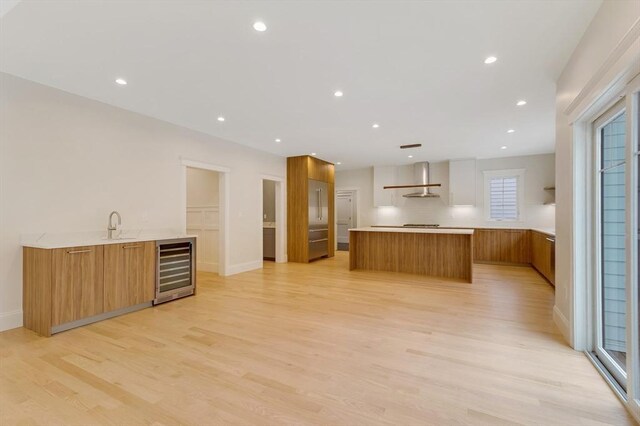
(223, 197)
(355, 191)
(281, 215)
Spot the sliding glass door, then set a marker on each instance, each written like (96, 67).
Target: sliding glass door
(611, 296)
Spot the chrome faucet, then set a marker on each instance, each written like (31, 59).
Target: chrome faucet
(111, 227)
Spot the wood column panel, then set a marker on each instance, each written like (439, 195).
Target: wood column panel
(36, 290)
(299, 171)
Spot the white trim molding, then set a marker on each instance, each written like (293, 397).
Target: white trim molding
(239, 268)
(562, 323)
(10, 320)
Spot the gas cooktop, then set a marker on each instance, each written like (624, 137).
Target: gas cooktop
(420, 225)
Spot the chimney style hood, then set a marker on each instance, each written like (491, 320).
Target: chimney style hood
(422, 180)
(422, 176)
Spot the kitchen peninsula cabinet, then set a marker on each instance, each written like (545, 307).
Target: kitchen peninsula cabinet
(543, 254)
(509, 246)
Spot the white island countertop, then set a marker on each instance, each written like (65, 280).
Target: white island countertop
(462, 231)
(78, 239)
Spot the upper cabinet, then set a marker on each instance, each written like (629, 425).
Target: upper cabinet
(462, 182)
(382, 176)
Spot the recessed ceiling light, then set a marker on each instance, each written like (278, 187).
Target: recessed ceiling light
(410, 156)
(221, 118)
(510, 131)
(521, 103)
(490, 60)
(503, 147)
(338, 163)
(375, 125)
(259, 26)
(121, 81)
(278, 140)
(313, 153)
(338, 93)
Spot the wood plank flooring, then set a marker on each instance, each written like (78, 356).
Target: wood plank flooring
(315, 344)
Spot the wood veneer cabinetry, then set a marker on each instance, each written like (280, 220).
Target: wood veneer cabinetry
(510, 246)
(65, 285)
(543, 254)
(299, 171)
(129, 274)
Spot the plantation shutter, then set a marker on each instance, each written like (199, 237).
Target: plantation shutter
(503, 198)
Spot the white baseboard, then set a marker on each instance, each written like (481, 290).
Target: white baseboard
(9, 320)
(208, 266)
(243, 267)
(563, 324)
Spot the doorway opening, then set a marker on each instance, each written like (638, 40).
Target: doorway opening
(273, 219)
(268, 220)
(346, 215)
(203, 216)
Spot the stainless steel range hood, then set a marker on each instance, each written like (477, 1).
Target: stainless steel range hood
(422, 176)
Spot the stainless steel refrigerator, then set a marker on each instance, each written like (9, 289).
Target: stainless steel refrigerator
(318, 219)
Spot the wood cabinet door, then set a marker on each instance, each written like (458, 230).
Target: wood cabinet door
(486, 245)
(130, 271)
(541, 253)
(514, 245)
(77, 284)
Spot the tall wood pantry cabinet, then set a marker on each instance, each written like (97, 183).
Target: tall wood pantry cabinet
(300, 170)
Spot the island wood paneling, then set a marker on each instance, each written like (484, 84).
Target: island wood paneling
(299, 171)
(36, 290)
(438, 255)
(77, 289)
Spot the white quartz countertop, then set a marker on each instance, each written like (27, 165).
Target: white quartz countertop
(78, 239)
(461, 231)
(548, 231)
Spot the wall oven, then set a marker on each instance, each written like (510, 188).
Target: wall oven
(176, 269)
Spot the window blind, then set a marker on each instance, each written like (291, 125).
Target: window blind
(503, 198)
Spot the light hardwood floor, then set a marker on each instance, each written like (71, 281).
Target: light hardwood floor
(315, 344)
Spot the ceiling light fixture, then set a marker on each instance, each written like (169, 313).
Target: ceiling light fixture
(121, 81)
(221, 118)
(510, 131)
(521, 103)
(410, 156)
(259, 26)
(490, 60)
(338, 163)
(375, 125)
(278, 140)
(503, 147)
(338, 93)
(313, 153)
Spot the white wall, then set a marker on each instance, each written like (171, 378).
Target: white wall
(539, 173)
(598, 60)
(202, 187)
(67, 161)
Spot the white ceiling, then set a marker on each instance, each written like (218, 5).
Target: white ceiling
(416, 68)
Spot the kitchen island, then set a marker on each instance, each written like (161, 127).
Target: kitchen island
(446, 253)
